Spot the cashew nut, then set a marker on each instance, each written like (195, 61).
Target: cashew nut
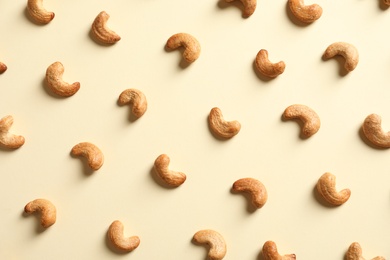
(346, 50)
(172, 178)
(222, 128)
(355, 253)
(38, 12)
(267, 68)
(255, 188)
(305, 13)
(3, 67)
(188, 42)
(270, 252)
(136, 98)
(55, 82)
(249, 6)
(7, 139)
(310, 119)
(326, 187)
(100, 30)
(45, 208)
(372, 129)
(214, 240)
(91, 152)
(117, 238)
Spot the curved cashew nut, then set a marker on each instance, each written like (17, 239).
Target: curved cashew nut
(100, 30)
(117, 238)
(372, 129)
(136, 98)
(172, 178)
(326, 187)
(305, 13)
(249, 6)
(55, 82)
(38, 12)
(267, 68)
(45, 208)
(346, 50)
(255, 188)
(355, 252)
(90, 151)
(310, 119)
(7, 139)
(270, 252)
(3, 67)
(188, 42)
(222, 128)
(214, 240)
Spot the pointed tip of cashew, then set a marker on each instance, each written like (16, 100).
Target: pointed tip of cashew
(55, 82)
(135, 98)
(101, 31)
(214, 240)
(326, 187)
(372, 130)
(45, 208)
(91, 152)
(38, 13)
(172, 178)
(249, 7)
(310, 119)
(255, 188)
(222, 128)
(267, 68)
(347, 51)
(305, 13)
(7, 139)
(270, 252)
(190, 44)
(3, 67)
(355, 252)
(116, 236)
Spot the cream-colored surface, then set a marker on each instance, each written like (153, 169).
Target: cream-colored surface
(179, 100)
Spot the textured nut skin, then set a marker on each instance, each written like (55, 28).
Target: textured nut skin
(172, 178)
(326, 187)
(355, 253)
(90, 151)
(7, 139)
(117, 238)
(249, 6)
(136, 98)
(38, 13)
(55, 82)
(222, 128)
(310, 119)
(346, 50)
(3, 67)
(45, 208)
(101, 31)
(255, 188)
(372, 130)
(305, 13)
(215, 241)
(270, 252)
(386, 2)
(267, 68)
(188, 42)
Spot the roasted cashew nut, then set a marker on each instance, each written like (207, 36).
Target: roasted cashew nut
(55, 82)
(38, 12)
(214, 240)
(305, 13)
(346, 50)
(255, 188)
(326, 187)
(355, 252)
(172, 178)
(221, 127)
(117, 238)
(188, 42)
(7, 139)
(91, 152)
(249, 6)
(310, 119)
(267, 68)
(270, 252)
(45, 208)
(3, 67)
(101, 31)
(136, 98)
(372, 129)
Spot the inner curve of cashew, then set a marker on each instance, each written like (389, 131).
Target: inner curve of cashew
(116, 236)
(326, 187)
(55, 82)
(8, 139)
(101, 31)
(266, 67)
(346, 50)
(305, 13)
(221, 127)
(355, 252)
(45, 208)
(214, 240)
(172, 178)
(188, 42)
(255, 188)
(91, 152)
(136, 98)
(249, 6)
(38, 12)
(309, 118)
(270, 252)
(372, 129)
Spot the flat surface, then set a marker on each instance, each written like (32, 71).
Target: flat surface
(175, 123)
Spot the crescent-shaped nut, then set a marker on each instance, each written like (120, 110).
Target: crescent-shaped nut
(172, 178)
(38, 13)
(355, 252)
(346, 50)
(310, 119)
(305, 13)
(190, 44)
(136, 98)
(255, 188)
(222, 128)
(214, 240)
(326, 187)
(101, 31)
(45, 208)
(249, 6)
(267, 68)
(55, 82)
(91, 152)
(372, 129)
(270, 252)
(7, 139)
(3, 67)
(117, 238)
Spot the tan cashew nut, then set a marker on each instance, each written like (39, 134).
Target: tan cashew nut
(55, 82)
(45, 208)
(222, 128)
(101, 31)
(310, 119)
(355, 252)
(90, 151)
(267, 68)
(117, 238)
(3, 67)
(346, 50)
(372, 129)
(188, 42)
(38, 12)
(7, 139)
(305, 13)
(249, 6)
(255, 188)
(172, 178)
(136, 98)
(326, 187)
(270, 252)
(214, 240)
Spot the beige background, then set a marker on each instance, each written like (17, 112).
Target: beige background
(176, 124)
